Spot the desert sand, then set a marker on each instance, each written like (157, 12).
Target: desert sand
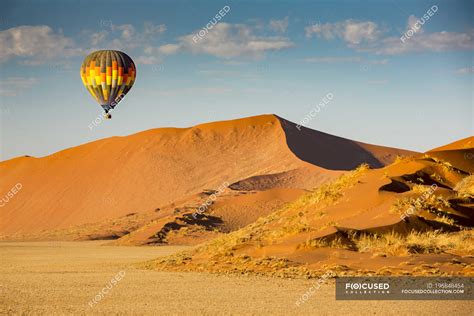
(460, 153)
(53, 278)
(111, 178)
(412, 217)
(258, 200)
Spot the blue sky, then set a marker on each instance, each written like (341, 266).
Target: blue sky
(278, 57)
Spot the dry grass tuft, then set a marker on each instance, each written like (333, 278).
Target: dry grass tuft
(337, 242)
(400, 159)
(431, 203)
(465, 187)
(311, 204)
(329, 193)
(420, 188)
(446, 166)
(402, 245)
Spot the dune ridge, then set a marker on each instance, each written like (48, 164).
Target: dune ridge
(413, 217)
(116, 176)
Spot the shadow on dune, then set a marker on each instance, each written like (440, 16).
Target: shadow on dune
(324, 150)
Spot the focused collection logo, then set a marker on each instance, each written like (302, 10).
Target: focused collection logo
(404, 288)
(367, 288)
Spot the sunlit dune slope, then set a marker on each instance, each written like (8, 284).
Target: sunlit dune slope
(459, 153)
(113, 177)
(415, 216)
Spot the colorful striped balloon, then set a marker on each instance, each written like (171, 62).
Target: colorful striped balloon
(108, 75)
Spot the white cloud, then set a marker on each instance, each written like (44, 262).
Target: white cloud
(279, 25)
(147, 60)
(345, 59)
(127, 37)
(465, 71)
(13, 86)
(411, 24)
(352, 31)
(378, 61)
(35, 43)
(98, 37)
(127, 31)
(422, 42)
(366, 36)
(151, 29)
(227, 41)
(357, 32)
(168, 49)
(154, 55)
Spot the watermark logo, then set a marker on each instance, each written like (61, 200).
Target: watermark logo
(411, 210)
(364, 67)
(204, 206)
(314, 287)
(10, 194)
(4, 109)
(105, 23)
(314, 111)
(100, 118)
(60, 67)
(415, 27)
(404, 288)
(157, 68)
(263, 67)
(355, 288)
(105, 290)
(205, 30)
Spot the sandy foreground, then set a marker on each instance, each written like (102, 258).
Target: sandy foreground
(64, 277)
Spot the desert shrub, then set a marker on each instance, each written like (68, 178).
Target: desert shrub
(329, 193)
(336, 242)
(465, 187)
(397, 244)
(425, 202)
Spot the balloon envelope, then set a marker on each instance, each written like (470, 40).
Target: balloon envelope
(108, 75)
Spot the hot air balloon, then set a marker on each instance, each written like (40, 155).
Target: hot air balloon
(108, 75)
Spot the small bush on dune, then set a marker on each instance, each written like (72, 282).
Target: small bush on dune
(465, 187)
(401, 245)
(429, 203)
(312, 203)
(444, 164)
(330, 192)
(390, 243)
(400, 159)
(420, 188)
(337, 242)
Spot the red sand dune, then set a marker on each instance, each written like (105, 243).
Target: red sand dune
(459, 153)
(116, 176)
(414, 216)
